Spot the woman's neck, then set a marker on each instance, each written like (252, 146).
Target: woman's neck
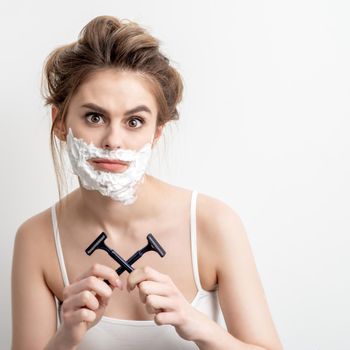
(111, 215)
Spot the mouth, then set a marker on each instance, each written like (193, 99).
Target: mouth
(109, 164)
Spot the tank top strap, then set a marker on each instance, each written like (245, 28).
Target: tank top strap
(194, 240)
(59, 246)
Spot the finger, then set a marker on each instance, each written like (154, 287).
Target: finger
(152, 311)
(91, 284)
(84, 299)
(150, 287)
(157, 303)
(171, 318)
(145, 274)
(103, 272)
(80, 315)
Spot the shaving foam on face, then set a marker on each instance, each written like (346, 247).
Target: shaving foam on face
(118, 186)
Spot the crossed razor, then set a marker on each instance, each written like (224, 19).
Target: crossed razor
(99, 243)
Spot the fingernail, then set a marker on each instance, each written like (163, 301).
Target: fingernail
(119, 283)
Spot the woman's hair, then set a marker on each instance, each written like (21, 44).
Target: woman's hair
(107, 43)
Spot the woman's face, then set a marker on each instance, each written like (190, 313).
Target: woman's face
(114, 109)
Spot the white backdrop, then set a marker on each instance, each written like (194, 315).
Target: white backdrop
(264, 127)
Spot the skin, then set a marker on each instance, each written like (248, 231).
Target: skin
(159, 289)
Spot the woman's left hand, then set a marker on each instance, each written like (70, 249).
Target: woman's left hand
(163, 299)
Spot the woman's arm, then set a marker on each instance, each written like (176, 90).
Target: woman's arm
(33, 305)
(241, 294)
(225, 246)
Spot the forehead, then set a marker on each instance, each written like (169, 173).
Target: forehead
(116, 90)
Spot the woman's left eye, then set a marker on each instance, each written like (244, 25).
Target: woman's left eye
(135, 122)
(94, 118)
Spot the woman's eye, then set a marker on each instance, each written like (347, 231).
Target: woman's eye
(94, 118)
(135, 122)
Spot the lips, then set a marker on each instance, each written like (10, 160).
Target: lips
(110, 165)
(109, 161)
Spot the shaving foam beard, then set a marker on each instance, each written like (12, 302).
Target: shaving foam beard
(118, 186)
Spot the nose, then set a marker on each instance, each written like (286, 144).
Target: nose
(112, 138)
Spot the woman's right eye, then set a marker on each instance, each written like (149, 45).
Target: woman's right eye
(94, 118)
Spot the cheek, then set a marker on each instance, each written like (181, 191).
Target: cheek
(138, 139)
(86, 135)
(137, 142)
(80, 129)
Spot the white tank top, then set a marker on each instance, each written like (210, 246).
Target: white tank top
(111, 333)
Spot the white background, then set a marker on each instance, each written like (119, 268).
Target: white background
(264, 127)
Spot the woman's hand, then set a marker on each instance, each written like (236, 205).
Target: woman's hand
(85, 300)
(163, 299)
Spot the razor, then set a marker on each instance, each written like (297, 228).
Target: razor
(99, 243)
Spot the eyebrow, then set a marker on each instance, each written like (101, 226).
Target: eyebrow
(141, 108)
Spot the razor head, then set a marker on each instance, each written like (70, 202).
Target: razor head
(96, 244)
(154, 245)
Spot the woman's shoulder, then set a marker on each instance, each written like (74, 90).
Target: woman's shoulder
(219, 231)
(217, 221)
(33, 233)
(212, 213)
(35, 223)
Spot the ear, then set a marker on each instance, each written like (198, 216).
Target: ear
(158, 133)
(59, 129)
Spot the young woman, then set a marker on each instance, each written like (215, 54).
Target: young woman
(111, 93)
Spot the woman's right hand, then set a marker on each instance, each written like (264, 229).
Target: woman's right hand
(85, 300)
